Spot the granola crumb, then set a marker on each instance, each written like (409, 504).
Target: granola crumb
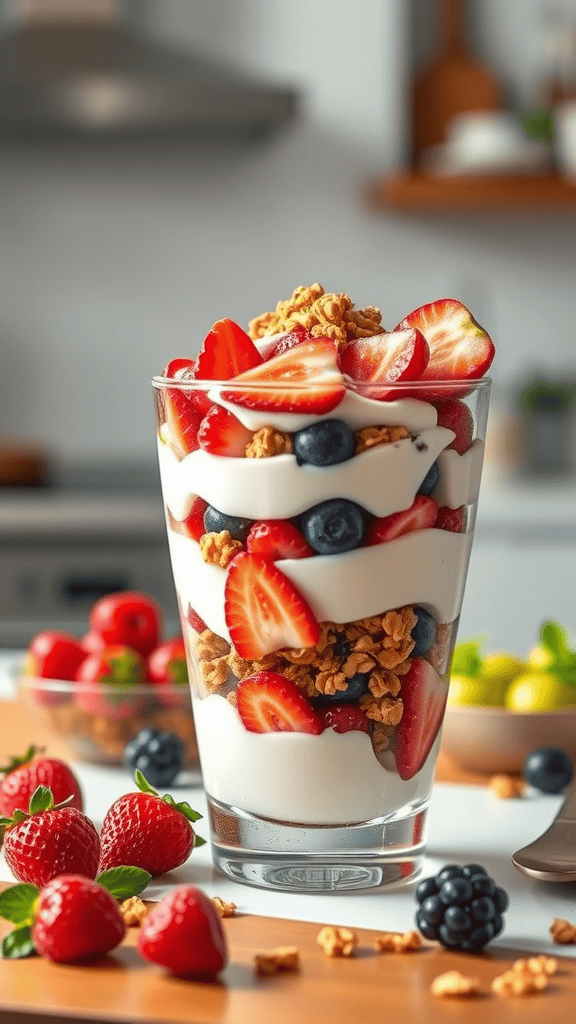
(276, 961)
(563, 932)
(337, 941)
(369, 437)
(268, 442)
(219, 548)
(398, 942)
(525, 977)
(224, 909)
(453, 983)
(323, 314)
(506, 787)
(134, 911)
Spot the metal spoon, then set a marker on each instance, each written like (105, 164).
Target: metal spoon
(552, 857)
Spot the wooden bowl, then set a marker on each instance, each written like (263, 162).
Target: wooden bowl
(486, 739)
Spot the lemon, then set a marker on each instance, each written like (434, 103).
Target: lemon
(465, 690)
(502, 668)
(539, 657)
(538, 691)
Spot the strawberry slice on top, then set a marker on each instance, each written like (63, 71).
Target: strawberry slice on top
(268, 702)
(184, 408)
(460, 349)
(226, 351)
(421, 515)
(305, 378)
(401, 355)
(424, 696)
(264, 611)
(276, 539)
(221, 433)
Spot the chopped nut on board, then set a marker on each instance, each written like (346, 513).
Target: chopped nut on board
(453, 983)
(398, 942)
(337, 941)
(275, 961)
(224, 909)
(563, 932)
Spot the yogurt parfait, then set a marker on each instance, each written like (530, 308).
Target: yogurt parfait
(320, 477)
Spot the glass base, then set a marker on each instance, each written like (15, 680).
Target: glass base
(382, 853)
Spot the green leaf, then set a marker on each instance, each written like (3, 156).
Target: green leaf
(41, 800)
(538, 124)
(124, 882)
(18, 816)
(18, 944)
(199, 842)
(467, 659)
(143, 783)
(554, 640)
(16, 761)
(183, 807)
(17, 903)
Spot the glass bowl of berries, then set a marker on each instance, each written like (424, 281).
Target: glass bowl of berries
(98, 693)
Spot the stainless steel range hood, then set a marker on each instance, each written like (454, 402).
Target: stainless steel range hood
(81, 69)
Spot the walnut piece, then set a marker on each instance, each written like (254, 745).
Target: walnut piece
(453, 983)
(323, 314)
(398, 942)
(219, 548)
(370, 437)
(268, 442)
(284, 958)
(224, 909)
(525, 977)
(134, 911)
(506, 787)
(337, 941)
(563, 932)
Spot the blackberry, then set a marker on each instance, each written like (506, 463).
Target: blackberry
(461, 907)
(158, 755)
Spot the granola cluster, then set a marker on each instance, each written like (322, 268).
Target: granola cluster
(219, 548)
(526, 977)
(224, 908)
(337, 941)
(563, 932)
(398, 942)
(277, 961)
(370, 437)
(454, 983)
(324, 314)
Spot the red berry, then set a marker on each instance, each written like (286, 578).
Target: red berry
(306, 378)
(268, 702)
(54, 655)
(166, 669)
(221, 433)
(456, 416)
(421, 515)
(193, 525)
(424, 696)
(23, 775)
(50, 843)
(277, 539)
(296, 336)
(128, 618)
(401, 355)
(108, 682)
(226, 351)
(452, 519)
(184, 934)
(195, 621)
(179, 368)
(264, 610)
(75, 917)
(459, 348)
(92, 643)
(345, 718)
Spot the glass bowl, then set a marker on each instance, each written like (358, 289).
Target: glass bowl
(96, 722)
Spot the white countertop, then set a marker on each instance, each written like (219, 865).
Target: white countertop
(466, 824)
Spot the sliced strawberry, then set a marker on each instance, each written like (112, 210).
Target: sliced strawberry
(345, 718)
(193, 525)
(421, 515)
(226, 351)
(268, 702)
(423, 695)
(264, 611)
(176, 368)
(453, 414)
(452, 519)
(195, 621)
(276, 538)
(221, 433)
(184, 408)
(306, 378)
(296, 336)
(459, 348)
(401, 355)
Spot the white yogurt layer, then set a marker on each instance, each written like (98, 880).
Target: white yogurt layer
(460, 476)
(383, 479)
(331, 779)
(425, 567)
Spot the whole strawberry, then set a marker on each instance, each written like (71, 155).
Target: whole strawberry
(184, 934)
(76, 917)
(148, 831)
(23, 775)
(49, 840)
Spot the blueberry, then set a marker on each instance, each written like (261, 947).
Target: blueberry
(158, 755)
(450, 871)
(423, 633)
(357, 687)
(215, 522)
(473, 869)
(482, 885)
(430, 481)
(457, 919)
(456, 890)
(432, 910)
(428, 930)
(500, 900)
(334, 526)
(324, 443)
(548, 769)
(341, 648)
(427, 887)
(482, 909)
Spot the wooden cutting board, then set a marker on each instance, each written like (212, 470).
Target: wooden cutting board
(366, 988)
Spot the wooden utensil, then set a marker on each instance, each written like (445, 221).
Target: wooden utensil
(453, 83)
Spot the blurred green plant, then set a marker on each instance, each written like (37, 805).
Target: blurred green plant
(538, 124)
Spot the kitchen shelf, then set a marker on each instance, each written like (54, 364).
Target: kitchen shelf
(410, 192)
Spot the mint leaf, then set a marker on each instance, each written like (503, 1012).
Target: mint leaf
(18, 944)
(143, 783)
(467, 659)
(124, 882)
(41, 800)
(199, 842)
(17, 903)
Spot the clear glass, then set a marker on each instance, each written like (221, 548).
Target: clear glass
(343, 806)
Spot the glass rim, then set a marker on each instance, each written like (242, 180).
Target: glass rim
(350, 383)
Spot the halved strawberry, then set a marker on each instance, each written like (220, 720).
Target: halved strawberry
(296, 336)
(421, 515)
(401, 355)
(452, 519)
(345, 718)
(306, 378)
(459, 348)
(193, 525)
(184, 408)
(268, 702)
(264, 611)
(276, 538)
(453, 414)
(226, 351)
(176, 367)
(423, 695)
(195, 621)
(221, 433)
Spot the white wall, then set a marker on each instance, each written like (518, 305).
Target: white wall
(112, 264)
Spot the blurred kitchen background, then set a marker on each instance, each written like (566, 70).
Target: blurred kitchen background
(165, 163)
